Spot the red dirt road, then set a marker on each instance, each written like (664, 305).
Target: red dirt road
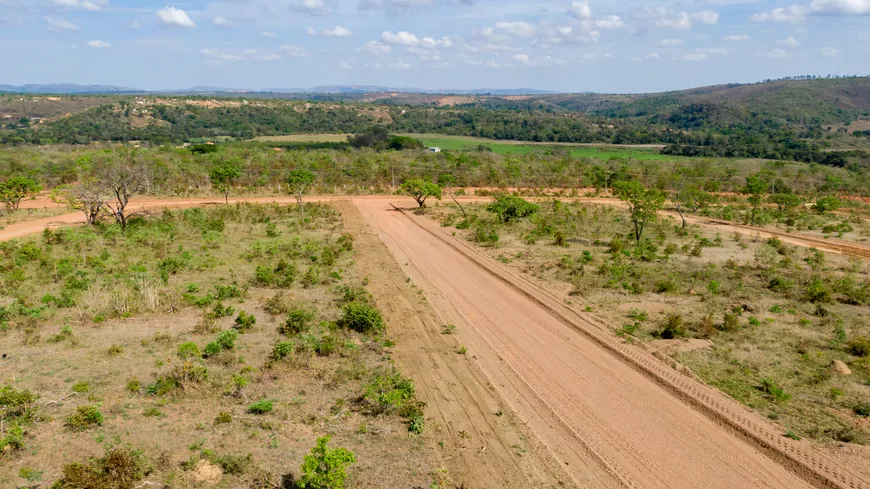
(614, 415)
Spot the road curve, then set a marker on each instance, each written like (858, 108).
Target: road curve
(646, 425)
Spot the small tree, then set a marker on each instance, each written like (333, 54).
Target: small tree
(86, 196)
(298, 182)
(123, 181)
(222, 177)
(510, 208)
(325, 468)
(691, 198)
(643, 204)
(755, 188)
(421, 190)
(15, 189)
(826, 204)
(785, 202)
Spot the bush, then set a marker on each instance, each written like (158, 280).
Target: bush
(282, 350)
(862, 410)
(225, 341)
(325, 468)
(245, 321)
(298, 321)
(362, 318)
(769, 387)
(860, 346)
(509, 208)
(119, 469)
(485, 236)
(85, 417)
(389, 393)
(189, 350)
(261, 407)
(223, 417)
(673, 327)
(826, 204)
(817, 291)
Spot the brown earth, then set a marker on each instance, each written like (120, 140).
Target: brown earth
(609, 414)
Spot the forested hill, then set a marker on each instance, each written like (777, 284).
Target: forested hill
(786, 119)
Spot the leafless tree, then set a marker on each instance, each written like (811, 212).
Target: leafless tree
(87, 196)
(123, 180)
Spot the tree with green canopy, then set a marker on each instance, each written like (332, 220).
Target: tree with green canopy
(643, 203)
(222, 177)
(420, 190)
(16, 189)
(299, 181)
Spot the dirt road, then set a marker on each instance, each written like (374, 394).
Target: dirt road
(615, 416)
(608, 413)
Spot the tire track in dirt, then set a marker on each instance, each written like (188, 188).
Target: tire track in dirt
(711, 437)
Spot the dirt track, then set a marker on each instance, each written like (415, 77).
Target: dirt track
(608, 413)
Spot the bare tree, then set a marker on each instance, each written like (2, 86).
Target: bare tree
(122, 181)
(86, 196)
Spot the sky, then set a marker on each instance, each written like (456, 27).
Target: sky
(605, 46)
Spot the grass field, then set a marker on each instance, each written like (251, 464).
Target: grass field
(460, 143)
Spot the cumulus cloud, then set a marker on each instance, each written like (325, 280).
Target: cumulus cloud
(794, 14)
(407, 39)
(841, 7)
(313, 7)
(174, 17)
(270, 35)
(670, 42)
(218, 57)
(221, 21)
(394, 5)
(519, 29)
(778, 54)
(134, 25)
(522, 59)
(58, 25)
(789, 42)
(830, 52)
(97, 44)
(685, 20)
(92, 5)
(696, 57)
(583, 34)
(345, 65)
(736, 38)
(401, 66)
(375, 48)
(337, 31)
(293, 50)
(609, 22)
(580, 10)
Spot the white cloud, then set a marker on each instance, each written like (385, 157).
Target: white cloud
(841, 7)
(375, 48)
(97, 44)
(670, 42)
(313, 7)
(583, 34)
(92, 5)
(519, 29)
(217, 57)
(487, 47)
(790, 42)
(830, 52)
(221, 21)
(717, 52)
(393, 5)
(345, 65)
(134, 25)
(778, 54)
(401, 66)
(293, 50)
(337, 31)
(270, 35)
(580, 10)
(694, 57)
(175, 17)
(652, 56)
(401, 37)
(667, 19)
(736, 38)
(60, 24)
(610, 22)
(794, 14)
(522, 59)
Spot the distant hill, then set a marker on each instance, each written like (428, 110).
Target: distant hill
(66, 89)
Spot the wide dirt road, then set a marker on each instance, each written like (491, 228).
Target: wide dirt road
(615, 419)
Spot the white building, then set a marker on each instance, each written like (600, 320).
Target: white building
(434, 150)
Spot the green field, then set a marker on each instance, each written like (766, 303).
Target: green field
(503, 147)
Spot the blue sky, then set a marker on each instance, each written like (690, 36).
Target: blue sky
(596, 45)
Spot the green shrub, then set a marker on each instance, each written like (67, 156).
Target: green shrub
(298, 321)
(229, 463)
(713, 287)
(860, 346)
(510, 208)
(665, 286)
(389, 393)
(261, 407)
(245, 321)
(485, 236)
(225, 292)
(862, 410)
(223, 417)
(85, 417)
(362, 318)
(189, 350)
(115, 350)
(325, 468)
(282, 350)
(311, 277)
(769, 387)
(780, 284)
(121, 468)
(264, 276)
(225, 341)
(673, 327)
(817, 291)
(221, 311)
(134, 386)
(81, 387)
